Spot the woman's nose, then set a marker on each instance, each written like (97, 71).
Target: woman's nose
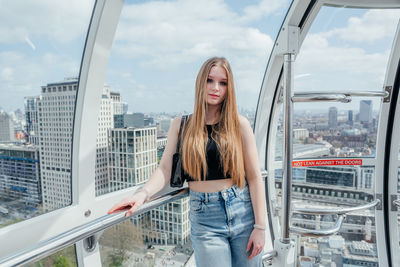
(216, 86)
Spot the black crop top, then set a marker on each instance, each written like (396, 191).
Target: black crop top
(215, 169)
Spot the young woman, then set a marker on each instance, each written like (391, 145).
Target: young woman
(219, 155)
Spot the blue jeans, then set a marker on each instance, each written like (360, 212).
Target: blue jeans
(221, 224)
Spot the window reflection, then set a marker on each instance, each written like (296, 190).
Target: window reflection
(65, 257)
(39, 61)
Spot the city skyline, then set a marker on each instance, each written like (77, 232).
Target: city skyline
(127, 156)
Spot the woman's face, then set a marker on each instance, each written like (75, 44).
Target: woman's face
(216, 85)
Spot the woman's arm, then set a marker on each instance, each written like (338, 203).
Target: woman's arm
(256, 186)
(158, 179)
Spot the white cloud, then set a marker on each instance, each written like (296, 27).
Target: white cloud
(350, 58)
(319, 56)
(58, 21)
(339, 68)
(7, 73)
(40, 42)
(169, 35)
(22, 76)
(358, 61)
(373, 25)
(263, 8)
(184, 29)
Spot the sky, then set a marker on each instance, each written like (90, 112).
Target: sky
(160, 45)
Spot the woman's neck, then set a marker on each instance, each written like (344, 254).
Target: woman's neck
(212, 114)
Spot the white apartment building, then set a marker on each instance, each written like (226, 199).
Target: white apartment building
(6, 128)
(161, 142)
(300, 133)
(170, 223)
(132, 160)
(105, 122)
(132, 156)
(55, 113)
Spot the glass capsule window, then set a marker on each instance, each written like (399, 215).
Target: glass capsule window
(157, 52)
(334, 144)
(40, 59)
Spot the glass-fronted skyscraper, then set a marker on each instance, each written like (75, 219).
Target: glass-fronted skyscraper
(20, 174)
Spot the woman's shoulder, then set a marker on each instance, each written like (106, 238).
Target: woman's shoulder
(176, 122)
(244, 122)
(245, 127)
(178, 119)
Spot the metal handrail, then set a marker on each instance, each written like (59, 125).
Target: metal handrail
(361, 93)
(338, 211)
(267, 257)
(321, 98)
(318, 233)
(65, 239)
(319, 211)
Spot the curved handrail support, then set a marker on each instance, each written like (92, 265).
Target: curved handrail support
(358, 94)
(338, 211)
(267, 257)
(65, 239)
(321, 98)
(319, 233)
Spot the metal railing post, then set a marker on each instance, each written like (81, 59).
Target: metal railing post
(288, 144)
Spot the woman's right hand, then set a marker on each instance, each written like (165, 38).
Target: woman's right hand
(130, 203)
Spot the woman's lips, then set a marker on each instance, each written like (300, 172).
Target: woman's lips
(215, 96)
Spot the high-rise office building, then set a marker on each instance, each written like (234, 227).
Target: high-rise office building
(105, 122)
(20, 174)
(55, 113)
(118, 106)
(7, 134)
(350, 117)
(132, 156)
(365, 111)
(31, 119)
(332, 117)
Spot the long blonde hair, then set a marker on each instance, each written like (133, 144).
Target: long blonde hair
(228, 135)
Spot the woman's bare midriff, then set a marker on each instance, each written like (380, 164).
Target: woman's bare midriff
(211, 186)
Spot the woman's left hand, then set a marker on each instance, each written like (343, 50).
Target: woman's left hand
(257, 241)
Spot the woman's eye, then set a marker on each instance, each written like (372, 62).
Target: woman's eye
(223, 83)
(209, 80)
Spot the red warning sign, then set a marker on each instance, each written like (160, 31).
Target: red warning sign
(327, 162)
